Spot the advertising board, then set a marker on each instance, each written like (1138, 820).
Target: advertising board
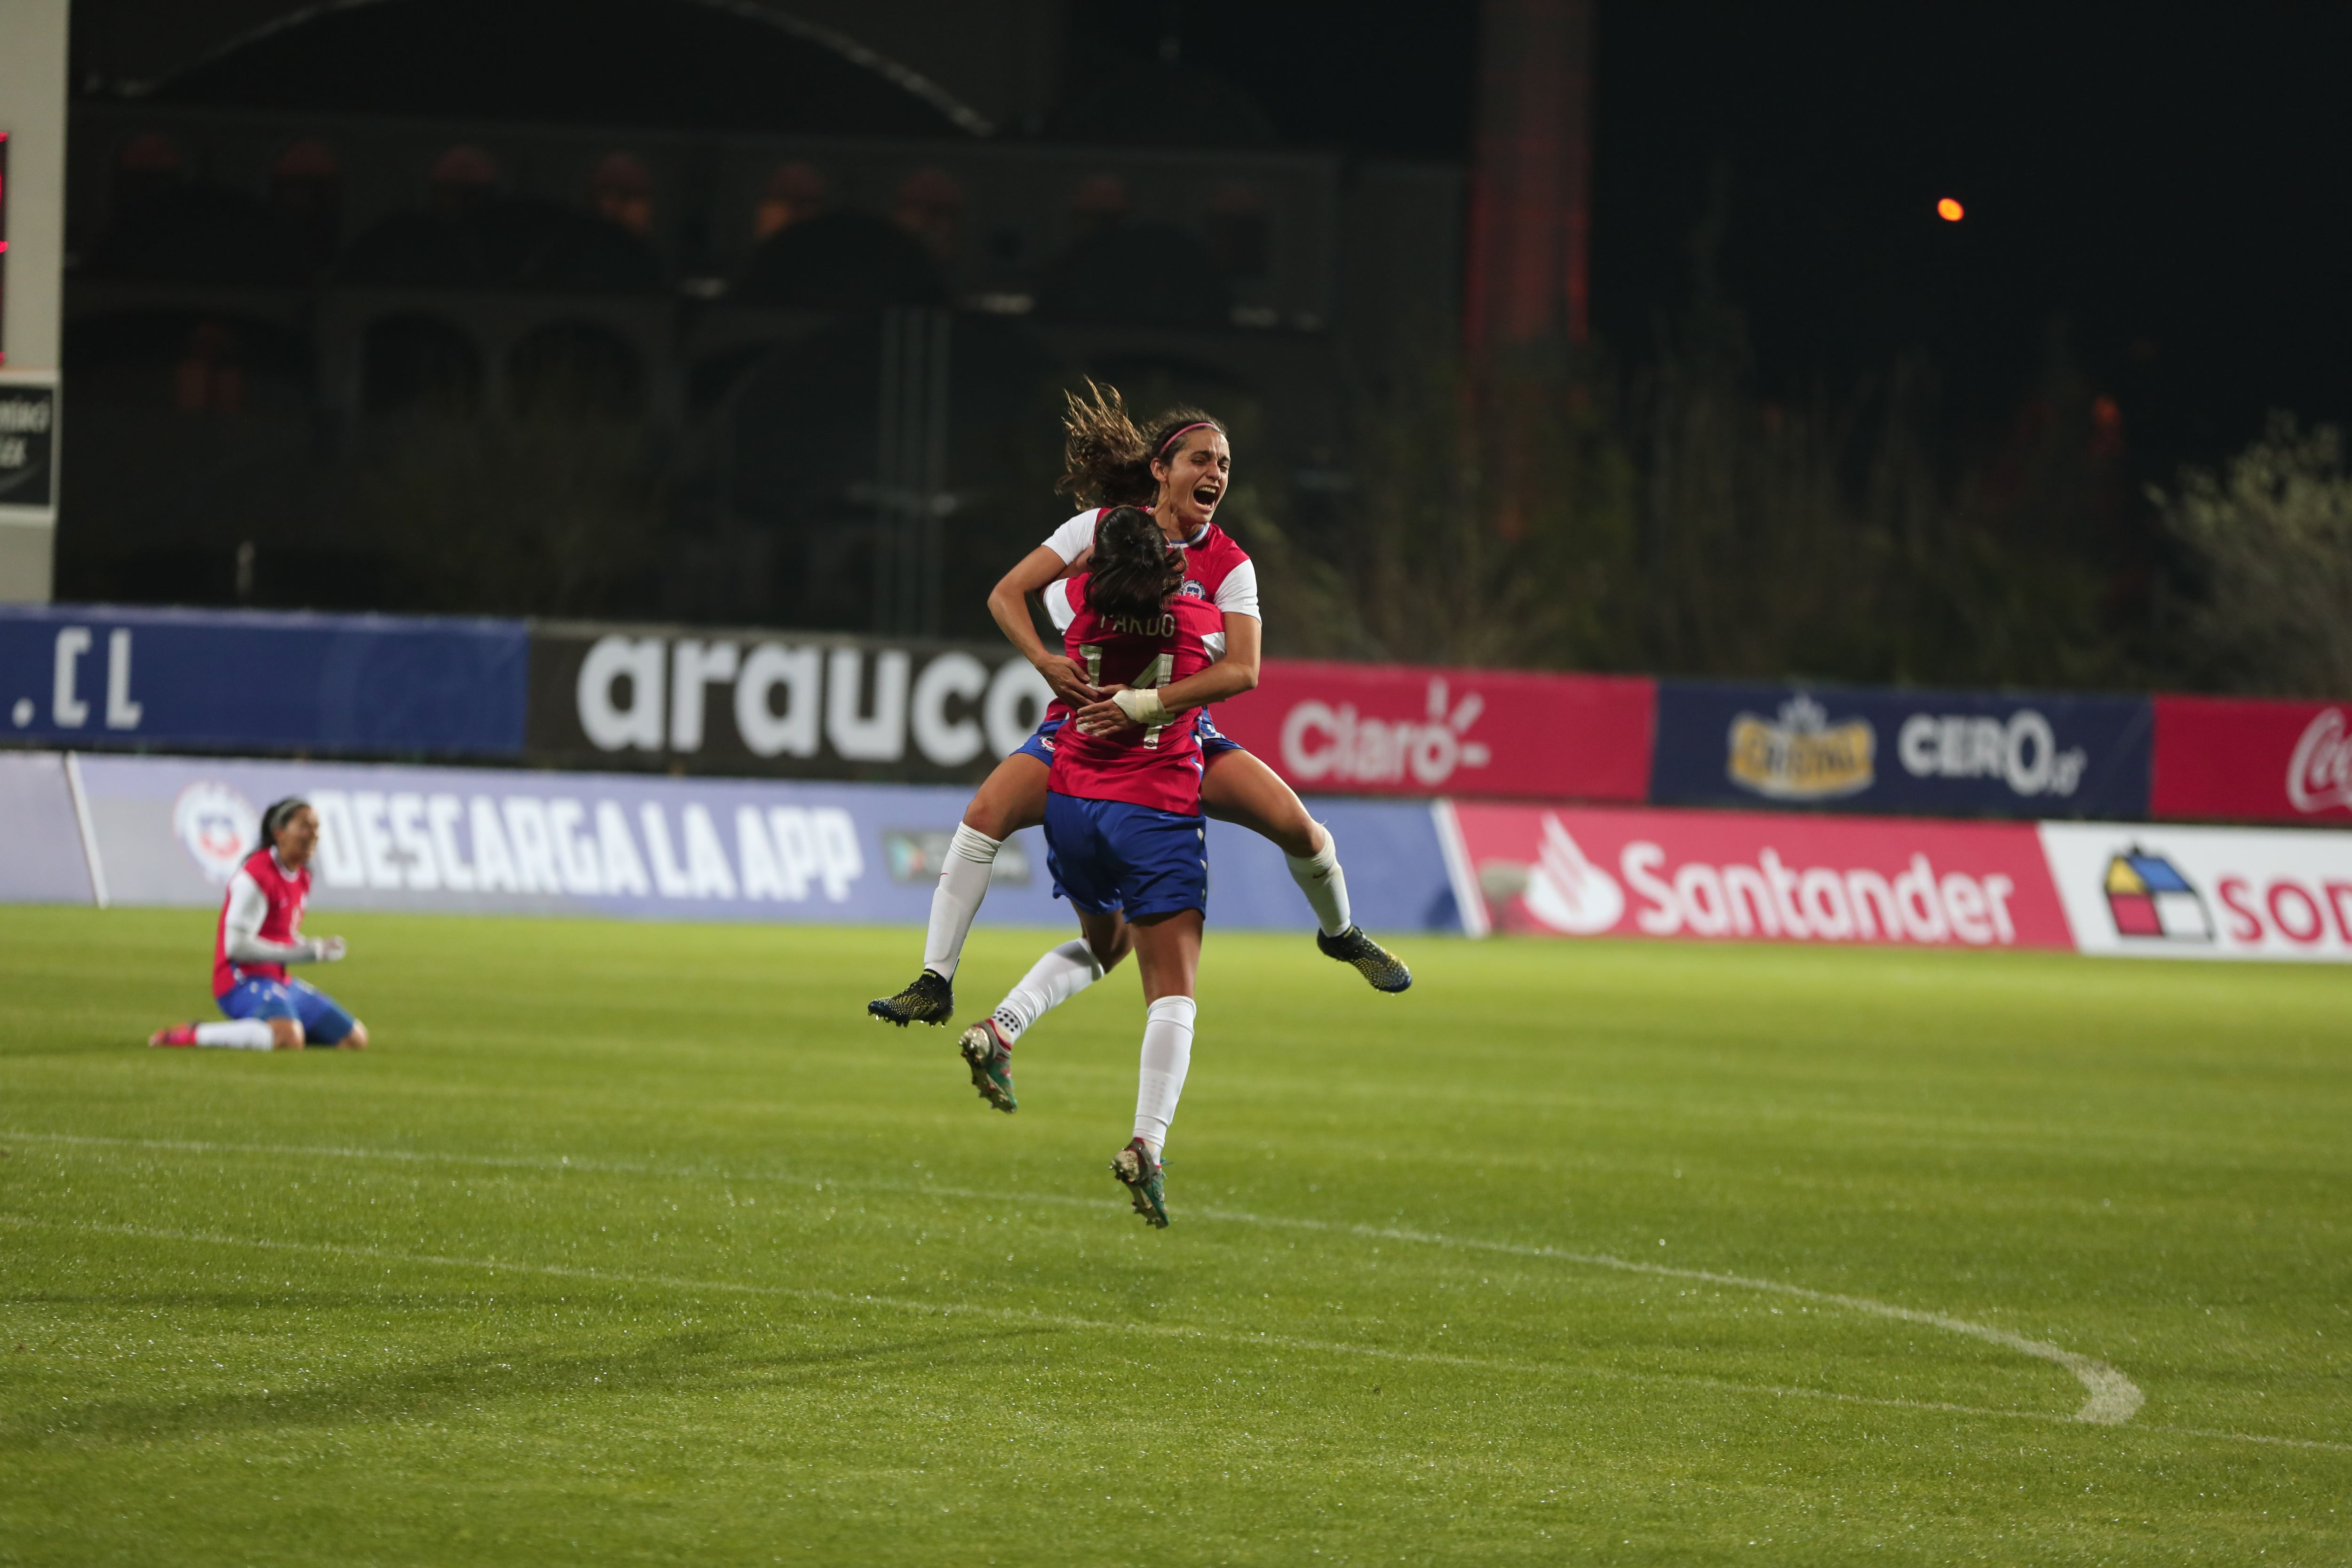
(1373, 729)
(2144, 891)
(43, 860)
(93, 675)
(1931, 753)
(172, 830)
(2248, 761)
(764, 703)
(1754, 875)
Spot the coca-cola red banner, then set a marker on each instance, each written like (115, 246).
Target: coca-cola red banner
(1751, 875)
(1386, 729)
(2252, 760)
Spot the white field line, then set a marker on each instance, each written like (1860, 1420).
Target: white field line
(1018, 1318)
(1011, 1316)
(2112, 1399)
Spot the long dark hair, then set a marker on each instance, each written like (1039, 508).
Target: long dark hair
(1106, 458)
(1135, 566)
(278, 813)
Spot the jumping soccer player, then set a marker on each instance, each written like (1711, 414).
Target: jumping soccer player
(1181, 472)
(260, 933)
(1123, 838)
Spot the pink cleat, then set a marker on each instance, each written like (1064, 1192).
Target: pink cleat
(177, 1035)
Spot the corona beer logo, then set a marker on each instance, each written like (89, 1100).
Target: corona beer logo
(2149, 898)
(1802, 756)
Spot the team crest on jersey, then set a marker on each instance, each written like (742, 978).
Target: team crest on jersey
(1193, 590)
(218, 825)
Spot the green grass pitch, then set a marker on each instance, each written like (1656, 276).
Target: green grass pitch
(639, 1243)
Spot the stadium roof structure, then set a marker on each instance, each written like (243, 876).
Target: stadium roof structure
(715, 65)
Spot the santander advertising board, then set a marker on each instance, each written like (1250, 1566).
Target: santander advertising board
(1369, 729)
(1752, 876)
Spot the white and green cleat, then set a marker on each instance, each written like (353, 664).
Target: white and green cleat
(990, 1056)
(1145, 1181)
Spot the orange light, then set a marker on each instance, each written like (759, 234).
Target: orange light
(1950, 211)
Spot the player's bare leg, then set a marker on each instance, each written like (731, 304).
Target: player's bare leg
(1011, 797)
(1168, 952)
(1242, 790)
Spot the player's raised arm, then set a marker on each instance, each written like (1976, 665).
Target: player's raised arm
(1008, 604)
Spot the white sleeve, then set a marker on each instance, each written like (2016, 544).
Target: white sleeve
(1058, 608)
(1237, 594)
(241, 927)
(1074, 538)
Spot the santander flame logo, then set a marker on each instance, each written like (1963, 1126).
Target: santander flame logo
(1566, 891)
(2319, 775)
(1320, 741)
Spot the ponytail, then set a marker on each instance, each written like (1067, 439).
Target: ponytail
(1105, 459)
(1135, 566)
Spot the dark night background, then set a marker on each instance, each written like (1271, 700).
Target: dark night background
(1813, 428)
(2160, 182)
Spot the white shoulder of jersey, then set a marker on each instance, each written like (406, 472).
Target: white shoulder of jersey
(1058, 608)
(1237, 594)
(247, 905)
(1073, 538)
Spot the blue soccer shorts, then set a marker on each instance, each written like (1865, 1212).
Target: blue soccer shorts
(1040, 743)
(324, 1023)
(1214, 742)
(1107, 855)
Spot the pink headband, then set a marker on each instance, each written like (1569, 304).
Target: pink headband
(1182, 431)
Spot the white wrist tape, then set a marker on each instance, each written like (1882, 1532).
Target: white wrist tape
(1143, 707)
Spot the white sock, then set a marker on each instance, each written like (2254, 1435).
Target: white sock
(1326, 886)
(1051, 981)
(964, 883)
(1160, 1082)
(236, 1035)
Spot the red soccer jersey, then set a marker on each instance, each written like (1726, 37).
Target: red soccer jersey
(283, 896)
(1157, 767)
(1216, 571)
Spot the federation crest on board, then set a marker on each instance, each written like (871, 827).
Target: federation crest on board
(218, 827)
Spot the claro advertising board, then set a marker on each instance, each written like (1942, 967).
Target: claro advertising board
(2238, 760)
(91, 674)
(1946, 754)
(172, 830)
(1372, 728)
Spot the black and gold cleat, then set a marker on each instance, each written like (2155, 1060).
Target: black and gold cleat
(1376, 964)
(929, 1000)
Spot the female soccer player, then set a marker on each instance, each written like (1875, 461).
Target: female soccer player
(1180, 471)
(1124, 838)
(260, 933)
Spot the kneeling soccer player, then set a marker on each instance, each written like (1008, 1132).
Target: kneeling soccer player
(260, 933)
(1124, 835)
